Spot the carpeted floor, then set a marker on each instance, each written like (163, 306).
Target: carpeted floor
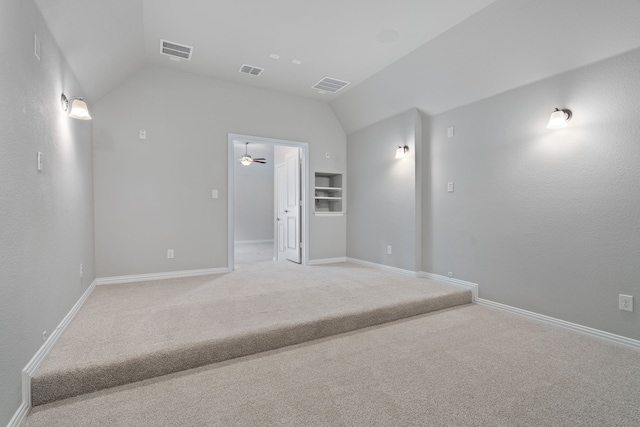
(132, 332)
(465, 366)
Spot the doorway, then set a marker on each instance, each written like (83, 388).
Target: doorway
(290, 206)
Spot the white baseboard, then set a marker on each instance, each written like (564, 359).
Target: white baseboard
(585, 330)
(383, 267)
(327, 261)
(473, 287)
(159, 276)
(253, 241)
(36, 360)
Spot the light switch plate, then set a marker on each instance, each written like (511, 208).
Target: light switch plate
(36, 46)
(451, 131)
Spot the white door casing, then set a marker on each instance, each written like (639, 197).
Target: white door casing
(281, 190)
(303, 165)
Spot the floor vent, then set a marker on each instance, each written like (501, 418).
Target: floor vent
(329, 84)
(175, 50)
(250, 69)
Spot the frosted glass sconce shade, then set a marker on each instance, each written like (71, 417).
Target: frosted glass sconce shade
(79, 109)
(559, 119)
(76, 107)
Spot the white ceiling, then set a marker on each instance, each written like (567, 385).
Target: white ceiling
(334, 38)
(448, 53)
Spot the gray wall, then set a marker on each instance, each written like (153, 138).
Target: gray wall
(544, 220)
(155, 194)
(253, 195)
(46, 230)
(384, 206)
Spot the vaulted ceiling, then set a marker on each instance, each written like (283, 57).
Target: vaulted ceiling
(104, 40)
(396, 54)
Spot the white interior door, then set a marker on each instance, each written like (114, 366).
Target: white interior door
(292, 207)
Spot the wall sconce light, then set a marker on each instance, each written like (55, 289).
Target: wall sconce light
(402, 152)
(76, 107)
(559, 119)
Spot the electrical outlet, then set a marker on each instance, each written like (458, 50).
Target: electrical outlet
(81, 271)
(169, 253)
(625, 302)
(388, 249)
(143, 134)
(44, 335)
(450, 187)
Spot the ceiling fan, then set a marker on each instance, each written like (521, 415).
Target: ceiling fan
(246, 160)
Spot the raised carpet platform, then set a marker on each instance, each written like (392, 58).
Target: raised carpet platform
(132, 332)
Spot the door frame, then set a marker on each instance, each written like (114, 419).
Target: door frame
(304, 190)
(278, 256)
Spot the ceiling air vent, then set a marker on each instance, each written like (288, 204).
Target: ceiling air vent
(329, 84)
(250, 69)
(175, 50)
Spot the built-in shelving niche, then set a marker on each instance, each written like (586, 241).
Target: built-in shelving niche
(328, 194)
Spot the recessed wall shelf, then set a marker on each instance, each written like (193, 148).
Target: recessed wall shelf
(328, 194)
(329, 213)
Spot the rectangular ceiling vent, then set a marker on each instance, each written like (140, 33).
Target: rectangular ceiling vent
(175, 50)
(250, 69)
(329, 84)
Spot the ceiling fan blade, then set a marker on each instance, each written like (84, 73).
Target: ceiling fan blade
(259, 158)
(259, 161)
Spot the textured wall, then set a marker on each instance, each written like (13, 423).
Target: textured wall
(544, 220)
(46, 227)
(155, 194)
(384, 206)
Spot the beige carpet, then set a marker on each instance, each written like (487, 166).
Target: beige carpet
(466, 366)
(132, 332)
